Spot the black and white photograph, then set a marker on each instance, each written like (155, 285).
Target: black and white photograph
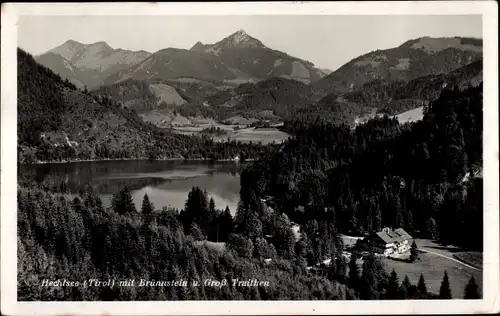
(250, 156)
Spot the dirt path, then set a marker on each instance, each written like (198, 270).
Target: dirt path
(450, 258)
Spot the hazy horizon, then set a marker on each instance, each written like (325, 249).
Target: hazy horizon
(307, 37)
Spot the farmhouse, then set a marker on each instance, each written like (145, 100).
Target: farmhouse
(389, 241)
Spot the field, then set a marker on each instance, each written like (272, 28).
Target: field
(241, 133)
(432, 265)
(411, 115)
(434, 259)
(256, 135)
(220, 246)
(472, 258)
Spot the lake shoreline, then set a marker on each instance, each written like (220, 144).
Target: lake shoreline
(135, 159)
(166, 183)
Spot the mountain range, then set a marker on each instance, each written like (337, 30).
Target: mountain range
(59, 122)
(89, 64)
(235, 59)
(240, 76)
(414, 58)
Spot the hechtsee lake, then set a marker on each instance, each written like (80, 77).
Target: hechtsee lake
(167, 183)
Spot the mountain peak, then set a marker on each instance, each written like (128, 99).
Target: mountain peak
(239, 39)
(72, 43)
(101, 44)
(241, 32)
(197, 47)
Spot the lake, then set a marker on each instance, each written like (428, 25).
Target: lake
(167, 183)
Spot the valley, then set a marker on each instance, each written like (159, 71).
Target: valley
(239, 76)
(234, 160)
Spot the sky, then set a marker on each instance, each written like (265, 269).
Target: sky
(328, 41)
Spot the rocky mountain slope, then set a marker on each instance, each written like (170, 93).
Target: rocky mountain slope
(57, 121)
(240, 77)
(93, 62)
(235, 59)
(413, 59)
(66, 69)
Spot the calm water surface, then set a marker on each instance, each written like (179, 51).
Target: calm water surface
(167, 183)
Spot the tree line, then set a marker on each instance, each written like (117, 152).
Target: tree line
(78, 239)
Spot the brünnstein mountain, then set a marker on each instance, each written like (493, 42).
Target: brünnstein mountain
(237, 58)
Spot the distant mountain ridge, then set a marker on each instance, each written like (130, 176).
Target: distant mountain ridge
(395, 97)
(281, 98)
(99, 56)
(414, 58)
(239, 75)
(236, 58)
(91, 63)
(66, 69)
(58, 122)
(239, 39)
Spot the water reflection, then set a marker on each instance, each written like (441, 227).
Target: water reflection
(166, 182)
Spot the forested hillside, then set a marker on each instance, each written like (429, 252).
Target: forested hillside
(273, 97)
(76, 239)
(58, 122)
(280, 98)
(329, 179)
(415, 58)
(383, 173)
(91, 242)
(394, 97)
(133, 94)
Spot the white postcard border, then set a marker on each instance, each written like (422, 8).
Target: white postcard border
(491, 298)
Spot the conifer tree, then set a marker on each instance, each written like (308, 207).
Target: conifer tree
(353, 272)
(196, 210)
(471, 291)
(196, 232)
(431, 229)
(226, 225)
(147, 207)
(406, 282)
(402, 293)
(122, 202)
(211, 206)
(444, 290)
(392, 286)
(341, 273)
(399, 220)
(422, 287)
(413, 252)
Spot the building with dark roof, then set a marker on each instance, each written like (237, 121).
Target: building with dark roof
(388, 241)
